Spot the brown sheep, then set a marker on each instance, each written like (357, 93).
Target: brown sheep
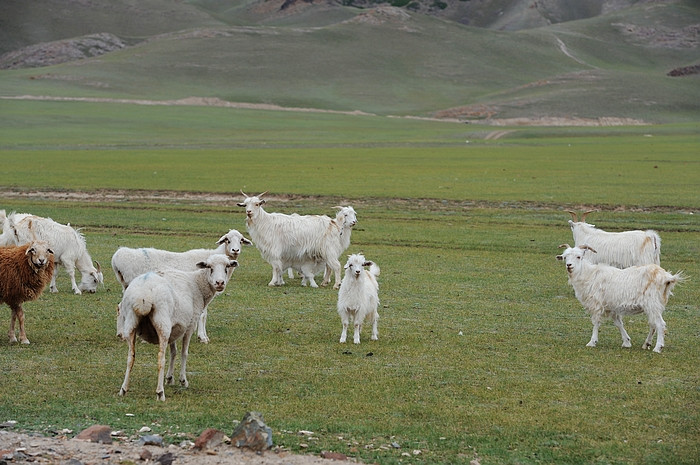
(24, 273)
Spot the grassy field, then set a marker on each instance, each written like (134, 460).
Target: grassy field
(482, 343)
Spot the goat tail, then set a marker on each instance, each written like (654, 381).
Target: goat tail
(374, 269)
(144, 305)
(671, 282)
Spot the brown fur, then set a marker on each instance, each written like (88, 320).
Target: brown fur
(22, 280)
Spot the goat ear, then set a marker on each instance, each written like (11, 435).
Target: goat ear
(233, 263)
(246, 241)
(241, 204)
(560, 257)
(262, 201)
(367, 263)
(202, 265)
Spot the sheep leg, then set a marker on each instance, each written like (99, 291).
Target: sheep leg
(169, 378)
(202, 327)
(346, 321)
(596, 324)
(277, 273)
(52, 285)
(183, 359)
(375, 330)
(308, 274)
(162, 346)
(131, 340)
(650, 337)
(617, 321)
(290, 272)
(18, 314)
(657, 321)
(356, 336)
(70, 269)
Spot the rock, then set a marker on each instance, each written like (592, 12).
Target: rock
(96, 433)
(151, 440)
(333, 455)
(166, 459)
(210, 438)
(252, 433)
(145, 455)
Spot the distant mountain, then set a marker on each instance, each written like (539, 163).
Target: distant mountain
(471, 60)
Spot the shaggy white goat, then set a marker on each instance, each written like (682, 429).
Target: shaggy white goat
(164, 306)
(346, 218)
(8, 235)
(606, 291)
(129, 263)
(358, 297)
(68, 245)
(305, 243)
(619, 249)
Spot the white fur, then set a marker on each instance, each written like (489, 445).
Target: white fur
(358, 297)
(68, 245)
(606, 291)
(305, 243)
(163, 307)
(128, 263)
(619, 249)
(8, 236)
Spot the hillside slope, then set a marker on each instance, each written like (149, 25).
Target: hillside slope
(385, 61)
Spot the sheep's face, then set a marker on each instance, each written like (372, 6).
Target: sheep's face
(91, 280)
(219, 270)
(573, 257)
(349, 216)
(252, 206)
(355, 265)
(234, 241)
(39, 254)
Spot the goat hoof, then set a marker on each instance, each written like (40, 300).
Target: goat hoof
(122, 392)
(25, 341)
(161, 396)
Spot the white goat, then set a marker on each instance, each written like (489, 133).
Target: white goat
(346, 218)
(358, 297)
(305, 243)
(163, 307)
(606, 291)
(129, 263)
(619, 249)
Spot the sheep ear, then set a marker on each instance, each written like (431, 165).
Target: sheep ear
(221, 240)
(201, 265)
(51, 252)
(30, 250)
(246, 241)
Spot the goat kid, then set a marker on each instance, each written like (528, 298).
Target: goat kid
(358, 297)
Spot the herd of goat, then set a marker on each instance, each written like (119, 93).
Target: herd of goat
(166, 294)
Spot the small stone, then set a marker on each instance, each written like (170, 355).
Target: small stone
(396, 445)
(96, 433)
(145, 455)
(166, 459)
(151, 440)
(210, 438)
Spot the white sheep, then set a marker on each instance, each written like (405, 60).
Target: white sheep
(68, 245)
(128, 263)
(164, 306)
(24, 273)
(607, 291)
(619, 249)
(358, 297)
(306, 243)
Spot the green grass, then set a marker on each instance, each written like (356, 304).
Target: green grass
(482, 343)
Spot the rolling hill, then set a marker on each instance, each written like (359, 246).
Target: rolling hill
(527, 62)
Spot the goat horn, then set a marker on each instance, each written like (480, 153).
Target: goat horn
(244, 194)
(99, 268)
(260, 195)
(574, 215)
(564, 246)
(583, 217)
(587, 247)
